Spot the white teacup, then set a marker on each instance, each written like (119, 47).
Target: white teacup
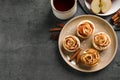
(64, 14)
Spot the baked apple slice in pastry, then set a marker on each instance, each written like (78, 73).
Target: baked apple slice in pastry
(71, 43)
(101, 41)
(85, 29)
(90, 57)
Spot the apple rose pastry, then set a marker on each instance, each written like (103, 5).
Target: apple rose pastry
(71, 43)
(101, 41)
(90, 57)
(85, 28)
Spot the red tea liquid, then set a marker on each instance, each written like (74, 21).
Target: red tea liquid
(63, 5)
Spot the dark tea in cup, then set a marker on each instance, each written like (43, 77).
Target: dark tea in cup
(64, 9)
(63, 5)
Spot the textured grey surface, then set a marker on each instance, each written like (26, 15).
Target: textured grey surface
(28, 53)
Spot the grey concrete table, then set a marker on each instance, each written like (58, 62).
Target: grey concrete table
(28, 53)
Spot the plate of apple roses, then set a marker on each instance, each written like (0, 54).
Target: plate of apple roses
(87, 43)
(102, 7)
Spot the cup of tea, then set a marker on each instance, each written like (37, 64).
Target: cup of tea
(64, 9)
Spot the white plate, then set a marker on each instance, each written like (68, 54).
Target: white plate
(100, 25)
(113, 9)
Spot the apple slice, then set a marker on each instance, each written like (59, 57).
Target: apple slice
(105, 5)
(95, 6)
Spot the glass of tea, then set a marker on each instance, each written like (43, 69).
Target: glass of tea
(64, 9)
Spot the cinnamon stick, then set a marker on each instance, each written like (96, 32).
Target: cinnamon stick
(116, 18)
(55, 29)
(78, 57)
(60, 25)
(75, 55)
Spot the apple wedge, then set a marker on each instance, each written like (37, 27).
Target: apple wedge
(95, 6)
(100, 6)
(105, 5)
